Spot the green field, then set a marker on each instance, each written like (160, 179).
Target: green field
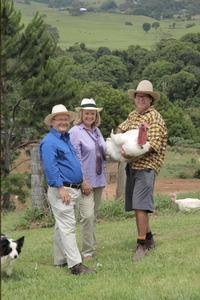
(104, 29)
(180, 163)
(171, 272)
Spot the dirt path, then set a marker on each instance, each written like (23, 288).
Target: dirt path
(163, 186)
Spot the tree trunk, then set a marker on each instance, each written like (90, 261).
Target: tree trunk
(39, 198)
(6, 203)
(121, 179)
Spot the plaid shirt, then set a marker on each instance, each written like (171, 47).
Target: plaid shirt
(156, 135)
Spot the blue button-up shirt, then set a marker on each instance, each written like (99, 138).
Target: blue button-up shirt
(59, 159)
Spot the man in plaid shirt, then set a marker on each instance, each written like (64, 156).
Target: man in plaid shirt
(141, 171)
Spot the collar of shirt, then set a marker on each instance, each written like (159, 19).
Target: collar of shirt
(145, 112)
(60, 135)
(82, 126)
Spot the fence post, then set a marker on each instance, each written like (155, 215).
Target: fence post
(121, 179)
(39, 198)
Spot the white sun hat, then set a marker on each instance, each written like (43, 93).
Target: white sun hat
(56, 110)
(89, 104)
(146, 87)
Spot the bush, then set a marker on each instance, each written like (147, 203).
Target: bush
(189, 25)
(197, 174)
(164, 204)
(14, 184)
(112, 210)
(34, 217)
(183, 175)
(128, 23)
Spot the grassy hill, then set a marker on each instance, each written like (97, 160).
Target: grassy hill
(104, 29)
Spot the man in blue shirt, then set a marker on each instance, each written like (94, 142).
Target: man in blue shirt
(64, 176)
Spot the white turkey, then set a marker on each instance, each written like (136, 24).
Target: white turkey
(186, 204)
(133, 142)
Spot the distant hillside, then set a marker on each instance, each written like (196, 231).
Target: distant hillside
(153, 8)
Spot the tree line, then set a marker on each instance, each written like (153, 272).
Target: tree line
(152, 8)
(36, 74)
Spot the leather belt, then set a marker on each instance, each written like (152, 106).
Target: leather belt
(72, 185)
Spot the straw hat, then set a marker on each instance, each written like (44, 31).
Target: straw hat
(146, 87)
(89, 104)
(56, 110)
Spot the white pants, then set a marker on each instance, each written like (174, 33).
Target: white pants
(65, 245)
(88, 206)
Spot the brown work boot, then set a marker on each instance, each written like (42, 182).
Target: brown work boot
(80, 269)
(141, 251)
(150, 243)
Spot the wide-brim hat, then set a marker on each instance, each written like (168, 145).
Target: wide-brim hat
(89, 104)
(56, 110)
(146, 87)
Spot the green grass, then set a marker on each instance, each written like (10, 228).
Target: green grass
(180, 163)
(170, 272)
(104, 29)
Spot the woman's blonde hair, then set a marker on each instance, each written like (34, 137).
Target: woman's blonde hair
(79, 118)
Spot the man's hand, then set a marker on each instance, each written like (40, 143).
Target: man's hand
(85, 187)
(64, 195)
(128, 157)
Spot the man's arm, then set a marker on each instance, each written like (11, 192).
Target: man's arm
(51, 170)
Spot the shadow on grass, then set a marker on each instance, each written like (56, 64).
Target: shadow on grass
(15, 276)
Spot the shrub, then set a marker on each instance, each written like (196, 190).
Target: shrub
(128, 23)
(14, 184)
(112, 210)
(189, 25)
(183, 175)
(164, 204)
(197, 174)
(34, 217)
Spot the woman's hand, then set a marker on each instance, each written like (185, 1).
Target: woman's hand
(86, 188)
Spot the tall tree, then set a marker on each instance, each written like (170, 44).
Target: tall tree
(146, 27)
(155, 25)
(31, 80)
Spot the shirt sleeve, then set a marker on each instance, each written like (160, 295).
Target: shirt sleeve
(51, 170)
(155, 134)
(125, 126)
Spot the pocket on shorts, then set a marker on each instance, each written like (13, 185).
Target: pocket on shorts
(149, 177)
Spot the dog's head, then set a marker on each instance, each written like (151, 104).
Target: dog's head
(11, 247)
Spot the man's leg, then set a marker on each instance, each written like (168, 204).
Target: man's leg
(65, 220)
(59, 254)
(142, 201)
(150, 243)
(142, 220)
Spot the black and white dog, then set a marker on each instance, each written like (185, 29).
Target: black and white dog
(9, 251)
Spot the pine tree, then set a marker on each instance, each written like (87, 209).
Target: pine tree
(32, 79)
